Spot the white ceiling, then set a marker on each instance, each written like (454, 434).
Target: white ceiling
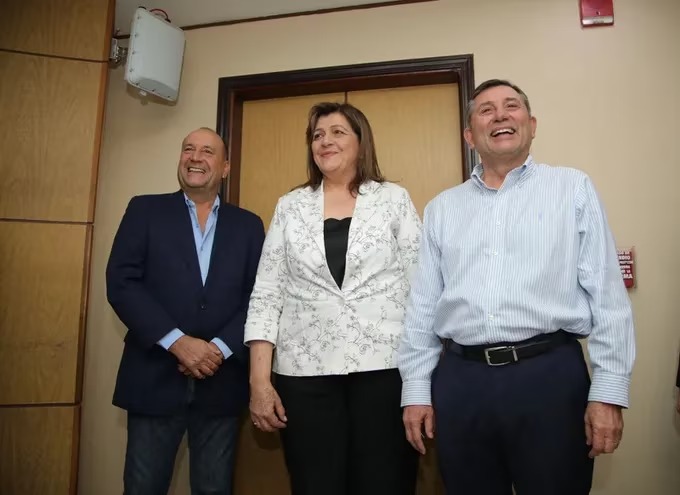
(184, 13)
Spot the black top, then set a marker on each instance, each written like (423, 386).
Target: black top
(335, 233)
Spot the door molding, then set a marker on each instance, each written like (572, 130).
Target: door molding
(234, 91)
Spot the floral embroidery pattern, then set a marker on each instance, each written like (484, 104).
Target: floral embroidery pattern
(319, 329)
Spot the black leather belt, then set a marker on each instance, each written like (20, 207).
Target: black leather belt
(510, 352)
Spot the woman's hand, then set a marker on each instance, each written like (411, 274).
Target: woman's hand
(266, 409)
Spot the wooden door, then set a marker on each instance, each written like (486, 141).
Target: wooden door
(417, 136)
(418, 141)
(273, 150)
(273, 155)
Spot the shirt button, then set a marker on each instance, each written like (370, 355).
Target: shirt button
(491, 317)
(498, 222)
(495, 253)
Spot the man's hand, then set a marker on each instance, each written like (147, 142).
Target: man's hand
(415, 419)
(196, 357)
(604, 428)
(266, 409)
(184, 370)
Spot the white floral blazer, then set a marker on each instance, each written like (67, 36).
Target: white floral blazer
(317, 328)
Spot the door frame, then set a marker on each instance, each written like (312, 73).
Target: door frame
(234, 91)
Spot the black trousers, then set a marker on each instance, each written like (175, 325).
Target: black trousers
(521, 424)
(345, 435)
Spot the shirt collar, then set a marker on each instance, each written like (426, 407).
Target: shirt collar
(517, 175)
(190, 203)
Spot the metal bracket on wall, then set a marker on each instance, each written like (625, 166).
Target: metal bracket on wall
(118, 54)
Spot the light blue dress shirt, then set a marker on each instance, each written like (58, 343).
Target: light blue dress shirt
(204, 243)
(532, 257)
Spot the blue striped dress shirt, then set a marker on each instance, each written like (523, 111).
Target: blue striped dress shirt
(532, 257)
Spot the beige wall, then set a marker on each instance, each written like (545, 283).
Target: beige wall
(606, 101)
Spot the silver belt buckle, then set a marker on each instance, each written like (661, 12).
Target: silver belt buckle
(501, 348)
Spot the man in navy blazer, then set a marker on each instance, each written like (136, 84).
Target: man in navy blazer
(179, 277)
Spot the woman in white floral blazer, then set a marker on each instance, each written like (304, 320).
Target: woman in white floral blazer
(329, 298)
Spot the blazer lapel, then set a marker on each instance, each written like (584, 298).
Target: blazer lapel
(364, 210)
(311, 215)
(310, 208)
(362, 219)
(183, 234)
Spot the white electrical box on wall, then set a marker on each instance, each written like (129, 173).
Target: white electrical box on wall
(155, 55)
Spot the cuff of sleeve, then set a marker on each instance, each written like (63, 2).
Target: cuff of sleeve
(224, 348)
(251, 335)
(609, 388)
(416, 393)
(170, 338)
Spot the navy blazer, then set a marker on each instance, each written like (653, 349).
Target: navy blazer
(154, 285)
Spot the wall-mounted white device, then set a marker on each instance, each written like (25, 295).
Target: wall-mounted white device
(155, 55)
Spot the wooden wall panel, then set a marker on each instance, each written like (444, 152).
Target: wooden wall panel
(41, 305)
(66, 28)
(271, 170)
(54, 67)
(49, 135)
(36, 450)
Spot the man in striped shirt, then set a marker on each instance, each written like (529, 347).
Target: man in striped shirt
(516, 264)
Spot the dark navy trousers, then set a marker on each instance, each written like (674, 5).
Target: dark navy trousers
(518, 425)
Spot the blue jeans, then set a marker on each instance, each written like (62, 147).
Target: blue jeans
(152, 447)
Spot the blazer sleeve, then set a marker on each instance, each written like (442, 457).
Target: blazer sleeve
(146, 320)
(232, 333)
(677, 379)
(408, 230)
(266, 301)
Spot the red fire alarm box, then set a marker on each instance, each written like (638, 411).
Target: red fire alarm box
(627, 264)
(596, 12)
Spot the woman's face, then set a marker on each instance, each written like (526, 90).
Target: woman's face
(335, 146)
